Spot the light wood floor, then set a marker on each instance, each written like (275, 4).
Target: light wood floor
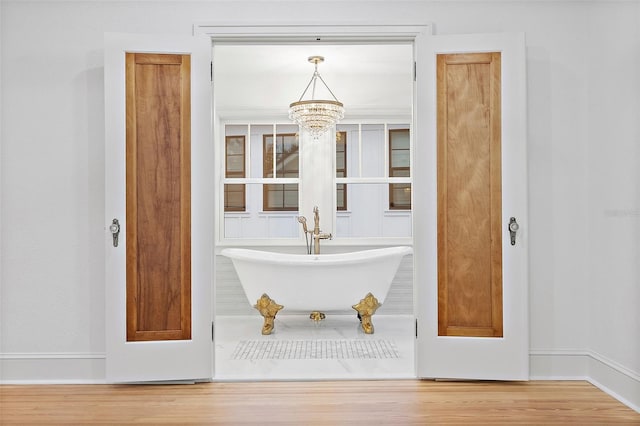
(314, 403)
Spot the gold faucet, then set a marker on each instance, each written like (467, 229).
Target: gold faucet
(316, 234)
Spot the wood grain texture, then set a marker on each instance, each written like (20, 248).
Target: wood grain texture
(406, 402)
(158, 230)
(469, 195)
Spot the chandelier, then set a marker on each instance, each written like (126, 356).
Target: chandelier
(316, 116)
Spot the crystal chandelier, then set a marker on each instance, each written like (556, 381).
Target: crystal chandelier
(317, 116)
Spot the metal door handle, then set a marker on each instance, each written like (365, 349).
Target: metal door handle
(114, 228)
(513, 228)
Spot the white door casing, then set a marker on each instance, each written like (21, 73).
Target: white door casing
(159, 360)
(505, 358)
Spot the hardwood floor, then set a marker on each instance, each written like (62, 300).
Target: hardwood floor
(314, 403)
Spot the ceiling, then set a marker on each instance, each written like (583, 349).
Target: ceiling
(262, 80)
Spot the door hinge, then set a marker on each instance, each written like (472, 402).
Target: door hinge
(211, 70)
(416, 328)
(415, 71)
(212, 331)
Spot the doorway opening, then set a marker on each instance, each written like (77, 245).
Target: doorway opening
(253, 85)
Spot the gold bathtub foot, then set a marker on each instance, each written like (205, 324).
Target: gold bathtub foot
(317, 316)
(366, 308)
(268, 309)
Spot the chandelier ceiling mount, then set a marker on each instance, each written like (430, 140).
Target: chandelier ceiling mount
(316, 116)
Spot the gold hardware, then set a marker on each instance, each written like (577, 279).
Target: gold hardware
(268, 309)
(366, 308)
(316, 234)
(317, 316)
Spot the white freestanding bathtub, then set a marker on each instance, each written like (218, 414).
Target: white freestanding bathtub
(324, 282)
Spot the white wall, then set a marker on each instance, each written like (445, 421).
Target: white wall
(613, 213)
(583, 138)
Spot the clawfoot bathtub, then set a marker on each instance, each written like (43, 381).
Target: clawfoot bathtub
(324, 282)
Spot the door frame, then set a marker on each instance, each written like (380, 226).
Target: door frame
(424, 206)
(309, 34)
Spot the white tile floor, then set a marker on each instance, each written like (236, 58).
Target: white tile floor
(398, 331)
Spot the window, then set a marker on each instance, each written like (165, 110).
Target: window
(260, 192)
(341, 169)
(234, 194)
(280, 197)
(399, 166)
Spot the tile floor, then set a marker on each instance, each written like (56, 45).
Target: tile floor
(342, 330)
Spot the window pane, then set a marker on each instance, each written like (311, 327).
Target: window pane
(235, 164)
(267, 169)
(400, 172)
(347, 141)
(400, 196)
(400, 158)
(274, 195)
(399, 166)
(341, 196)
(287, 161)
(234, 199)
(290, 144)
(234, 195)
(399, 139)
(280, 197)
(235, 145)
(291, 197)
(341, 169)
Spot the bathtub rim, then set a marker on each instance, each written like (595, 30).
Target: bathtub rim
(352, 257)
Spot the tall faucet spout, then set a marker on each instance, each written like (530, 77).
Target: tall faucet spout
(316, 220)
(317, 233)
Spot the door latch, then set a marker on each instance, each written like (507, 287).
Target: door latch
(114, 228)
(513, 228)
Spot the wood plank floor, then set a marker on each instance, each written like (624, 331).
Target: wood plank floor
(314, 403)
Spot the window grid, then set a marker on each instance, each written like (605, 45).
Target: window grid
(399, 166)
(280, 197)
(341, 170)
(234, 194)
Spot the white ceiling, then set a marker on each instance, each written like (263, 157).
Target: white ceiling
(265, 79)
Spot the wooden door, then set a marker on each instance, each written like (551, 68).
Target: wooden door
(158, 180)
(471, 283)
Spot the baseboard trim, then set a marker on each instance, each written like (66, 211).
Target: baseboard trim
(545, 364)
(578, 364)
(52, 368)
(56, 355)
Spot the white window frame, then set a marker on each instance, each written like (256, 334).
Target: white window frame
(354, 178)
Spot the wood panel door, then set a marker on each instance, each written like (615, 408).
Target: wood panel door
(158, 177)
(471, 282)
